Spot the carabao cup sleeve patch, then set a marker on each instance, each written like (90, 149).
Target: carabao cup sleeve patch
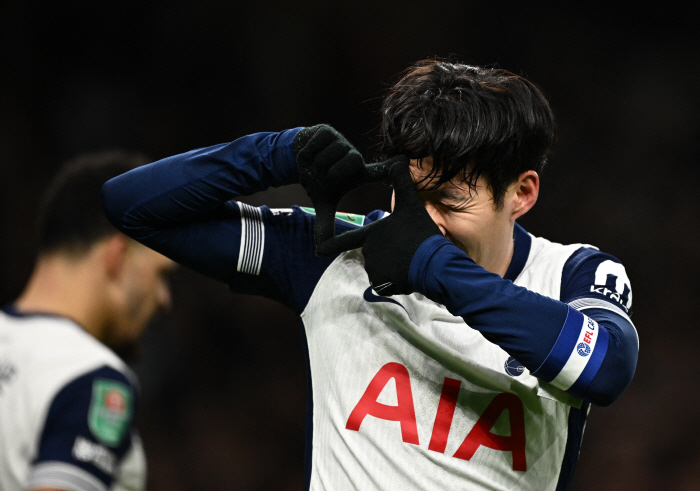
(111, 409)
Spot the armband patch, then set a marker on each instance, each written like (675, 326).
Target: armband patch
(110, 411)
(577, 354)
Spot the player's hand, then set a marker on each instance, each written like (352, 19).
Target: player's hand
(330, 167)
(389, 244)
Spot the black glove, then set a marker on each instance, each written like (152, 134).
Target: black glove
(330, 167)
(389, 244)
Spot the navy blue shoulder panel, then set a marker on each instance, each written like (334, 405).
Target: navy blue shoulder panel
(89, 423)
(577, 422)
(521, 251)
(592, 274)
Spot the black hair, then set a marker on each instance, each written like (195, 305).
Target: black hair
(70, 215)
(472, 121)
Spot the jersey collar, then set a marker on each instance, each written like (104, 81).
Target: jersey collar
(520, 253)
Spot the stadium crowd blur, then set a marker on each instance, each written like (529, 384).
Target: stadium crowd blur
(223, 378)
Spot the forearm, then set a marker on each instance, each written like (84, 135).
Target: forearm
(540, 332)
(179, 188)
(180, 206)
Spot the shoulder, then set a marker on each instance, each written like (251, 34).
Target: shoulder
(56, 339)
(582, 271)
(47, 352)
(592, 278)
(544, 266)
(88, 429)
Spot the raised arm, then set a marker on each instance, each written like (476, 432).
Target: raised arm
(591, 355)
(182, 206)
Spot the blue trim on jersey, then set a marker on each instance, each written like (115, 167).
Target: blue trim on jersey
(574, 262)
(564, 345)
(521, 252)
(577, 423)
(67, 419)
(11, 310)
(593, 365)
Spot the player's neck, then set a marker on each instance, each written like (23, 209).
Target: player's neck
(63, 286)
(496, 251)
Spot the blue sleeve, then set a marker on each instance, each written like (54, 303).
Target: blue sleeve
(597, 285)
(183, 207)
(555, 341)
(88, 429)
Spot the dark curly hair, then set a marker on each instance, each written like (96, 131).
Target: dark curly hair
(472, 121)
(70, 215)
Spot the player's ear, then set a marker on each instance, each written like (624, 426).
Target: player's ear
(523, 193)
(115, 251)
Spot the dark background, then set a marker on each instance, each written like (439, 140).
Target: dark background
(222, 374)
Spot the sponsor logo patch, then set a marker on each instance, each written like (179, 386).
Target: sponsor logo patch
(345, 217)
(86, 451)
(110, 411)
(612, 282)
(513, 367)
(583, 349)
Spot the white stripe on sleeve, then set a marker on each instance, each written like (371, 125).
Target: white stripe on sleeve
(252, 240)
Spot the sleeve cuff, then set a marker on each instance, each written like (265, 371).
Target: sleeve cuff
(54, 474)
(285, 162)
(417, 271)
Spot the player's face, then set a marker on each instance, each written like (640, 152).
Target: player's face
(145, 291)
(468, 218)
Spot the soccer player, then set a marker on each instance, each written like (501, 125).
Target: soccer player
(447, 347)
(68, 403)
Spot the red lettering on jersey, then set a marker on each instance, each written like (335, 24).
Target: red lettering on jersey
(587, 337)
(481, 433)
(445, 413)
(403, 412)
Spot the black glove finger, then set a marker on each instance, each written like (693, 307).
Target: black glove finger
(324, 226)
(380, 170)
(333, 156)
(303, 137)
(313, 140)
(404, 188)
(349, 169)
(344, 242)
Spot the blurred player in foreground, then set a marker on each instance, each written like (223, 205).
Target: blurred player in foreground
(454, 350)
(68, 403)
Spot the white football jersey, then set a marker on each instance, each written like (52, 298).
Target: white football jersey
(66, 409)
(407, 396)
